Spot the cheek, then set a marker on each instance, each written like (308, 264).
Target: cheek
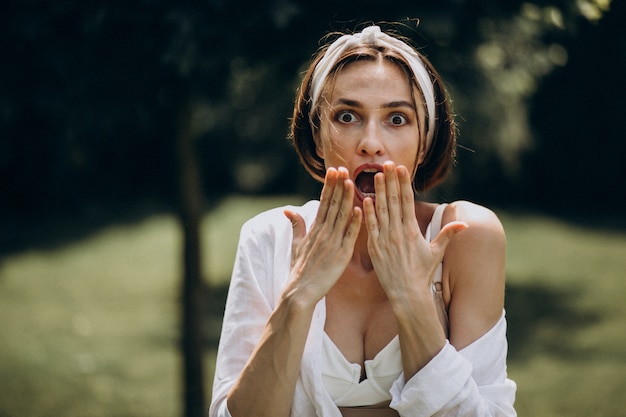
(334, 152)
(409, 153)
(325, 141)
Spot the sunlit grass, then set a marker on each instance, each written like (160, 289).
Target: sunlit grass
(91, 328)
(576, 344)
(221, 229)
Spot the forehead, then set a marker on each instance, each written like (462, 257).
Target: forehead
(380, 79)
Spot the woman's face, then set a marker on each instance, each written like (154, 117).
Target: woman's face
(369, 117)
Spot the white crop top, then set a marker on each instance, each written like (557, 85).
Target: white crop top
(342, 378)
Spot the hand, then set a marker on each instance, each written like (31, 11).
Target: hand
(321, 256)
(404, 261)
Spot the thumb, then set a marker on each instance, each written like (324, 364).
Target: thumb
(299, 230)
(445, 236)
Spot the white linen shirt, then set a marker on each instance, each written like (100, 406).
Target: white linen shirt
(470, 382)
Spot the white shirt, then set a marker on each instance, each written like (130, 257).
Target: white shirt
(470, 382)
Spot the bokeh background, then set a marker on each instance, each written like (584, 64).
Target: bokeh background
(137, 136)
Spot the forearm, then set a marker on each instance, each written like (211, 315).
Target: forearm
(266, 385)
(470, 383)
(420, 333)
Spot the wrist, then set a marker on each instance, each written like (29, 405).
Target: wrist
(298, 301)
(417, 309)
(409, 299)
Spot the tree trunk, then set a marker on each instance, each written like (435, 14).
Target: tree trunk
(190, 216)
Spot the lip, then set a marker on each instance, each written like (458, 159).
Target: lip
(360, 169)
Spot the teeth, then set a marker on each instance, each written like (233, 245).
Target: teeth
(370, 170)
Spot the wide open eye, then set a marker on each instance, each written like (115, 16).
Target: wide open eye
(346, 116)
(398, 119)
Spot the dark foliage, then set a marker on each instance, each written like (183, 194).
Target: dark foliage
(86, 93)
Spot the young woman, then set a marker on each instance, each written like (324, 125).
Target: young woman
(368, 302)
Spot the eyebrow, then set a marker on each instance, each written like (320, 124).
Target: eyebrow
(390, 105)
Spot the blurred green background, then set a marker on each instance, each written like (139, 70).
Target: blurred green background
(125, 126)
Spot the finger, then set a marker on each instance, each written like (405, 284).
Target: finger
(343, 173)
(445, 236)
(407, 197)
(335, 203)
(382, 210)
(330, 181)
(393, 191)
(371, 220)
(353, 228)
(344, 214)
(299, 231)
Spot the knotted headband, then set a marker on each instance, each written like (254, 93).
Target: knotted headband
(372, 35)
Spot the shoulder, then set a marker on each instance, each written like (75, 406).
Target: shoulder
(274, 221)
(485, 228)
(474, 215)
(475, 258)
(265, 239)
(485, 231)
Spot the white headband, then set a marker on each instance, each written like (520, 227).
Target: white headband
(372, 35)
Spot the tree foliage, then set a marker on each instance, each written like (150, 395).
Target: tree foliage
(87, 91)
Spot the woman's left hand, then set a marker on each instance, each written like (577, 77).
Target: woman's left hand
(403, 260)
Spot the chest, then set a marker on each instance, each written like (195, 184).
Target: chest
(359, 318)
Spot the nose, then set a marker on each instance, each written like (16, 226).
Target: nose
(371, 143)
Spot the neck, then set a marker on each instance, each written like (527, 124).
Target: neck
(361, 254)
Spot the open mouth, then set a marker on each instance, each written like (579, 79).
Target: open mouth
(364, 182)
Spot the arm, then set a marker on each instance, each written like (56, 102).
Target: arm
(249, 305)
(266, 383)
(475, 265)
(468, 376)
(405, 264)
(469, 383)
(438, 380)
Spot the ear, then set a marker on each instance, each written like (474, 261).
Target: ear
(420, 157)
(421, 154)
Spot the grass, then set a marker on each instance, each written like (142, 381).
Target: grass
(567, 317)
(90, 328)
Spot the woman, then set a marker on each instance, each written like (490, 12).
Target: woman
(368, 302)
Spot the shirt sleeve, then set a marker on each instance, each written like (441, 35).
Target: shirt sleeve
(470, 383)
(248, 306)
(220, 409)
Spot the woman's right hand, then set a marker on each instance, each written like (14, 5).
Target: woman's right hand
(318, 260)
(320, 257)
